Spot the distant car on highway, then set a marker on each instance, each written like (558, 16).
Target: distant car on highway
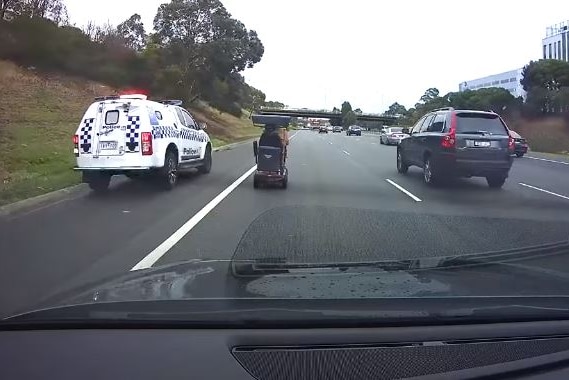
(337, 128)
(322, 129)
(392, 135)
(330, 128)
(521, 144)
(465, 143)
(354, 130)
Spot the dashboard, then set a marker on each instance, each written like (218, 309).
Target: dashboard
(528, 350)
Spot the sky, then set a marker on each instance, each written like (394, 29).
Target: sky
(319, 53)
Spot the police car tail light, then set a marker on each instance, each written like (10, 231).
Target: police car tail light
(146, 138)
(76, 145)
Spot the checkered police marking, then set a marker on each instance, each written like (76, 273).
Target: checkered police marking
(164, 132)
(86, 135)
(132, 134)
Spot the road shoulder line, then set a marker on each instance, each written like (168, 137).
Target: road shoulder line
(547, 160)
(544, 191)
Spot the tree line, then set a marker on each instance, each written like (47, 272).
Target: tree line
(197, 50)
(546, 83)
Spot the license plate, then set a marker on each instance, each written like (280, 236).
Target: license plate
(482, 144)
(108, 145)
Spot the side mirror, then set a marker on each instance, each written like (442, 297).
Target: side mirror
(203, 126)
(406, 131)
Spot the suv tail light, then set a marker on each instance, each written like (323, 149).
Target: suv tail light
(146, 138)
(449, 140)
(76, 145)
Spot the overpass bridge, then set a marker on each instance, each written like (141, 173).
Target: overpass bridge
(336, 118)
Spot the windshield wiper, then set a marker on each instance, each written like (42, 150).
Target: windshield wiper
(279, 265)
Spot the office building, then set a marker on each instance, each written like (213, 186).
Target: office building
(555, 45)
(509, 80)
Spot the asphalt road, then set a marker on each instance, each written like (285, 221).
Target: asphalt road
(345, 202)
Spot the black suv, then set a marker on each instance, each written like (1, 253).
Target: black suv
(448, 142)
(354, 130)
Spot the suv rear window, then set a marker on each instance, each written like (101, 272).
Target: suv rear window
(480, 122)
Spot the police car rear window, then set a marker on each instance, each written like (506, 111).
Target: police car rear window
(112, 117)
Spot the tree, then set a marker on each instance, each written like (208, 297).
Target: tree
(546, 82)
(429, 95)
(133, 33)
(202, 39)
(350, 118)
(396, 109)
(8, 6)
(254, 98)
(336, 110)
(346, 107)
(273, 104)
(358, 111)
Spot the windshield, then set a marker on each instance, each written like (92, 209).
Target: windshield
(226, 151)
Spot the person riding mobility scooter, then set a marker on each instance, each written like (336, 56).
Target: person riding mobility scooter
(271, 150)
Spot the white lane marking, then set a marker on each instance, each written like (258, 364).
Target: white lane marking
(416, 199)
(167, 244)
(546, 160)
(545, 191)
(348, 153)
(161, 250)
(330, 143)
(373, 143)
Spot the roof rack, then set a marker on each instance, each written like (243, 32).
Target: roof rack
(171, 102)
(108, 97)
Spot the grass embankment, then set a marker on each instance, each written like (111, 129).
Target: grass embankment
(39, 114)
(549, 135)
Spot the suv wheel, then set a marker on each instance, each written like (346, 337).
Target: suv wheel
(206, 167)
(169, 173)
(428, 172)
(402, 167)
(496, 181)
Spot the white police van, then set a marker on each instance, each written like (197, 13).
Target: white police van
(132, 135)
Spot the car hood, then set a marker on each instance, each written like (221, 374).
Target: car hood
(505, 273)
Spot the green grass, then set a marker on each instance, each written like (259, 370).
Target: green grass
(36, 159)
(217, 143)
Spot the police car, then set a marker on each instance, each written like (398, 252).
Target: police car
(132, 135)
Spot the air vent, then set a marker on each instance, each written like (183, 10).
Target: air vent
(387, 362)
